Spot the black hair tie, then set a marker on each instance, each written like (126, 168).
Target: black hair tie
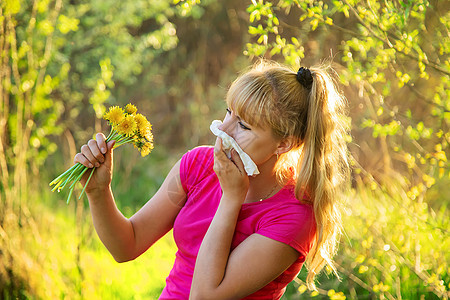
(304, 77)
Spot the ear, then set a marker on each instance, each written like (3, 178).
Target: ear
(285, 145)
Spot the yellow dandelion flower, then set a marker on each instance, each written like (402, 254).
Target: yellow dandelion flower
(127, 126)
(146, 149)
(140, 119)
(149, 136)
(130, 109)
(145, 130)
(149, 126)
(114, 115)
(142, 124)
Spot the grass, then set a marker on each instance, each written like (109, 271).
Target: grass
(55, 261)
(394, 247)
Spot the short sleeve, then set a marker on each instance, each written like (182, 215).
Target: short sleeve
(292, 224)
(195, 165)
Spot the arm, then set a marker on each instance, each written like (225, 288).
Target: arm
(126, 238)
(256, 262)
(220, 274)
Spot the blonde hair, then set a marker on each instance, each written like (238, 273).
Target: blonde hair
(270, 95)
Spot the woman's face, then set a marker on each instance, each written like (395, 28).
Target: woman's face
(259, 143)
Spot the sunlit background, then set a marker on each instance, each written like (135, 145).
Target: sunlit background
(63, 63)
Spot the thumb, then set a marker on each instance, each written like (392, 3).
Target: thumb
(109, 153)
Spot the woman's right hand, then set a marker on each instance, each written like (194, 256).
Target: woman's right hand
(99, 154)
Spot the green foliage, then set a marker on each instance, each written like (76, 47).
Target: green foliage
(29, 115)
(100, 93)
(58, 258)
(114, 30)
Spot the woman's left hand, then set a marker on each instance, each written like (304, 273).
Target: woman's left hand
(231, 173)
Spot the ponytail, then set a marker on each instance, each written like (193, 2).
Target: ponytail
(323, 169)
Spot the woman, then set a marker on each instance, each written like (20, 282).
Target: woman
(240, 236)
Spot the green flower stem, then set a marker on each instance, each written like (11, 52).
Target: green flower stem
(111, 132)
(87, 182)
(57, 179)
(62, 183)
(72, 186)
(113, 135)
(73, 175)
(78, 178)
(63, 179)
(124, 140)
(70, 195)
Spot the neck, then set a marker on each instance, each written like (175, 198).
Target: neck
(263, 184)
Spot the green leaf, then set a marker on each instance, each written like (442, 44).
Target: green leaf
(275, 21)
(11, 7)
(46, 27)
(314, 23)
(66, 24)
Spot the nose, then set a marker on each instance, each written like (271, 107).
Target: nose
(227, 125)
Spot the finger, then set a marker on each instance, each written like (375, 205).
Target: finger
(218, 144)
(237, 161)
(110, 145)
(86, 151)
(220, 158)
(109, 153)
(95, 150)
(101, 142)
(80, 158)
(218, 149)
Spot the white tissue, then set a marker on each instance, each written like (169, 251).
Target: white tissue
(228, 142)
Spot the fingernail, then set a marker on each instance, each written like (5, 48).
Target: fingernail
(91, 165)
(103, 150)
(97, 165)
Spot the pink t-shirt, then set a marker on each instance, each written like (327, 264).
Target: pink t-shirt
(281, 217)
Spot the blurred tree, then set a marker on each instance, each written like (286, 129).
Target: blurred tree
(28, 114)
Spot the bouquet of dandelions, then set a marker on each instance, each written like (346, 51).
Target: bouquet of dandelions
(127, 126)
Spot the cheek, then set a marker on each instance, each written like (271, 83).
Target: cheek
(245, 139)
(258, 149)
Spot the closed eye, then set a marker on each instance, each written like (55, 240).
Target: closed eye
(243, 126)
